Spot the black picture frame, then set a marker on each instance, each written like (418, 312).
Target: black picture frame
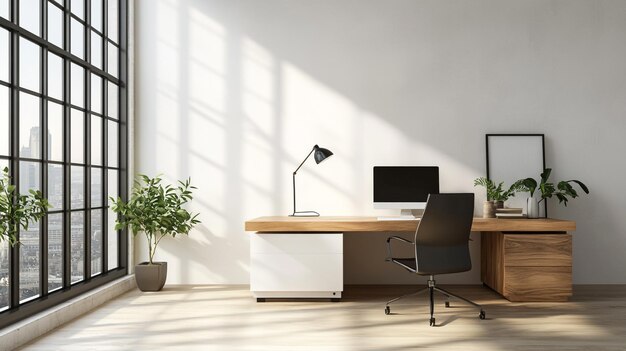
(489, 163)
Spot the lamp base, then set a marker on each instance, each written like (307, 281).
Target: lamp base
(305, 214)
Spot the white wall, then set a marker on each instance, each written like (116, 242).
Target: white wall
(235, 93)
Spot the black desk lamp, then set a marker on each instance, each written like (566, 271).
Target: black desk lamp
(320, 155)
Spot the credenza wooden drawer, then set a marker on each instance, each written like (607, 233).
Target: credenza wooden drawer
(538, 250)
(538, 283)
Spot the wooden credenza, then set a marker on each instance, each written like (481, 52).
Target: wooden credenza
(521, 259)
(527, 267)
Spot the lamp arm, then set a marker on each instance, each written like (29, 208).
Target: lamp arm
(294, 177)
(306, 158)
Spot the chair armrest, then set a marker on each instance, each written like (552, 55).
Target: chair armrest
(389, 255)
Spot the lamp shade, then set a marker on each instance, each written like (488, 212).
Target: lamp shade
(321, 154)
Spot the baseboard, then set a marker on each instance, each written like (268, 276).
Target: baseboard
(33, 327)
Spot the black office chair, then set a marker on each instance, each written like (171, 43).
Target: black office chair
(441, 245)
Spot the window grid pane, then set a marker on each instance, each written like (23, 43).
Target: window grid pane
(77, 130)
(96, 187)
(5, 53)
(77, 190)
(30, 15)
(112, 100)
(96, 14)
(96, 242)
(113, 57)
(112, 24)
(30, 65)
(78, 8)
(77, 38)
(30, 133)
(55, 76)
(96, 49)
(55, 187)
(112, 234)
(29, 176)
(96, 94)
(4, 121)
(5, 10)
(96, 140)
(55, 25)
(55, 251)
(78, 85)
(55, 131)
(77, 246)
(112, 144)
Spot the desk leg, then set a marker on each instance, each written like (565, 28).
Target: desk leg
(492, 260)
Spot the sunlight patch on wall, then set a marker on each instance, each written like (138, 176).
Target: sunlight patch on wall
(208, 37)
(207, 68)
(166, 144)
(261, 118)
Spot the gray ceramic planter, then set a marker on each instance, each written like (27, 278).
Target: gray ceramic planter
(151, 277)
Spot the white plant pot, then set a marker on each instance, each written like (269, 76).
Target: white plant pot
(532, 207)
(536, 207)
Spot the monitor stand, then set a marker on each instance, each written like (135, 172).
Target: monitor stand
(405, 215)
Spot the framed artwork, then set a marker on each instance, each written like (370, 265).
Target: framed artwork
(515, 156)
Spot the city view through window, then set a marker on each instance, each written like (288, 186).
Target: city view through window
(61, 123)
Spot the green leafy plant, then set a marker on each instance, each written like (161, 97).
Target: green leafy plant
(156, 210)
(562, 191)
(17, 210)
(497, 192)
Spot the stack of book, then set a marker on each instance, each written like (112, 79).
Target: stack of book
(509, 213)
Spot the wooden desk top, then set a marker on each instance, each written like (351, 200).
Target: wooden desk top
(372, 224)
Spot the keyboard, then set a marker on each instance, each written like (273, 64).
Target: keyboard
(398, 218)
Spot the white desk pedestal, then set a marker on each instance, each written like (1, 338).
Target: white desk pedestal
(296, 265)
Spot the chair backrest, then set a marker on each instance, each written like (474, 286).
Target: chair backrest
(442, 237)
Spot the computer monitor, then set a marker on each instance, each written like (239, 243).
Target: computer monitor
(404, 188)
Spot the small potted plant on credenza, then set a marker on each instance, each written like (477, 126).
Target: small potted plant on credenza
(496, 194)
(156, 210)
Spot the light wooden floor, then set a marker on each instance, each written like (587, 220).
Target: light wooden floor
(228, 318)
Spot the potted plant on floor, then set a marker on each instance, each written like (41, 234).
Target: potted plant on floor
(562, 191)
(496, 194)
(157, 211)
(17, 210)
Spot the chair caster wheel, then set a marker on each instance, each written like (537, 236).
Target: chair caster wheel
(447, 304)
(482, 315)
(387, 310)
(432, 322)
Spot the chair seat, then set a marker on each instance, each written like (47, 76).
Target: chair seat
(407, 263)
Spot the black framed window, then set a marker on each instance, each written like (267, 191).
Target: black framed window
(63, 130)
